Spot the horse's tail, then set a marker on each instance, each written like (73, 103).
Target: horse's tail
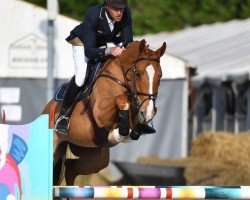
(60, 147)
(59, 163)
(52, 115)
(51, 109)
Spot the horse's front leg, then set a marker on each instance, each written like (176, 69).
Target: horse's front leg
(117, 135)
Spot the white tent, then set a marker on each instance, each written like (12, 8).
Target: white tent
(23, 40)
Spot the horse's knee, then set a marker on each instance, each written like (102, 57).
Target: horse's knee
(123, 120)
(122, 102)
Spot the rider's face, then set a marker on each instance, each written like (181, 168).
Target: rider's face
(115, 13)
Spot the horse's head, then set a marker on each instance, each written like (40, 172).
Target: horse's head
(144, 78)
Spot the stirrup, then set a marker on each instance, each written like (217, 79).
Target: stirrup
(63, 117)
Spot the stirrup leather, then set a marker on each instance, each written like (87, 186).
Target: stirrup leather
(63, 117)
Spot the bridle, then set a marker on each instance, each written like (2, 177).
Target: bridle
(131, 88)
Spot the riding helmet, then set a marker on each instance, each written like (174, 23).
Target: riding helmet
(117, 3)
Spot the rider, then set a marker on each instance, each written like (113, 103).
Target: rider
(102, 24)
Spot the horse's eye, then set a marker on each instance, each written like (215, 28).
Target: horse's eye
(138, 74)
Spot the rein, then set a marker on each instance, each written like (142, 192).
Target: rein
(132, 92)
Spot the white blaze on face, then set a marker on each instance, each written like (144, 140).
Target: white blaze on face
(3, 144)
(150, 109)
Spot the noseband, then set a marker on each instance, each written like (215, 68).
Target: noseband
(131, 88)
(133, 93)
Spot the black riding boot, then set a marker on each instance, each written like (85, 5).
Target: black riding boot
(62, 123)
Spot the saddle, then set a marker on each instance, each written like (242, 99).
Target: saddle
(59, 95)
(93, 69)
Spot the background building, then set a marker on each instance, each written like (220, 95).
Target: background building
(23, 67)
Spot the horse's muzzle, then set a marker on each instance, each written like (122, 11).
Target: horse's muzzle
(145, 116)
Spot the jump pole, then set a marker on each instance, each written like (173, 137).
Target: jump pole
(153, 192)
(31, 145)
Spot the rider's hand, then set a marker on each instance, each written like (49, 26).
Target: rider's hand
(116, 51)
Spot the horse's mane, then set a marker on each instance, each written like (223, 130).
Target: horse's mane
(131, 47)
(149, 53)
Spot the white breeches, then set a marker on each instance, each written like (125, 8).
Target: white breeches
(80, 62)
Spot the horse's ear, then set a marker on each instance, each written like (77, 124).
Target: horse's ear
(142, 46)
(161, 50)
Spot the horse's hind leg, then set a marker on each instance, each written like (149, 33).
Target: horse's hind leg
(59, 163)
(91, 160)
(71, 171)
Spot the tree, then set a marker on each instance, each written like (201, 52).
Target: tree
(152, 16)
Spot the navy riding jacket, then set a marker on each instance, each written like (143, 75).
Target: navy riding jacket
(94, 32)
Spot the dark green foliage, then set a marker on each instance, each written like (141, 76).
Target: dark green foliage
(152, 16)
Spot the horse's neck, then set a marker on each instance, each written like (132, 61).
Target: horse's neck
(104, 94)
(114, 69)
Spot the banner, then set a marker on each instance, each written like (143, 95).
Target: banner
(26, 161)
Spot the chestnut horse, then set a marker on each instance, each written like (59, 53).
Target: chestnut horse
(127, 82)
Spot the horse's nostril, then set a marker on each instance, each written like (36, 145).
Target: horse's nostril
(143, 114)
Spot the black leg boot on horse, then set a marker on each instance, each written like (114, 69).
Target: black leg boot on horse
(62, 123)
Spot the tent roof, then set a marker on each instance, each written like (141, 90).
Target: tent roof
(219, 51)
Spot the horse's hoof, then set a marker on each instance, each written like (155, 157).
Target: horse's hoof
(146, 129)
(134, 135)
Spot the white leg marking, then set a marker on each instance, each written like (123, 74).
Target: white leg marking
(118, 138)
(127, 138)
(126, 107)
(150, 109)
